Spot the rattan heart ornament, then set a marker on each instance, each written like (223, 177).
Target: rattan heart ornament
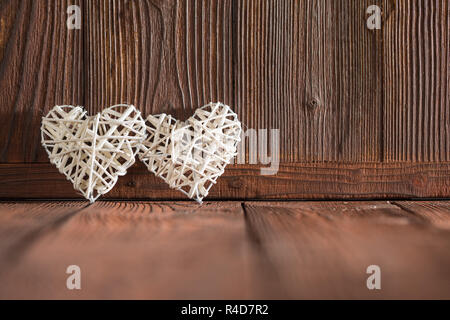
(92, 152)
(191, 155)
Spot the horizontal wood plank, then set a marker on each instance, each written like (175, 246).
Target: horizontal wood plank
(294, 181)
(321, 250)
(140, 250)
(22, 224)
(436, 213)
(221, 250)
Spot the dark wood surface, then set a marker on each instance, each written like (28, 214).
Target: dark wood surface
(435, 213)
(322, 249)
(417, 81)
(173, 250)
(279, 64)
(41, 65)
(239, 182)
(345, 98)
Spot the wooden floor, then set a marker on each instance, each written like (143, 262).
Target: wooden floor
(221, 250)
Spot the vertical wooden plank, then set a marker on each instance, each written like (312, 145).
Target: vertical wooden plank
(417, 81)
(163, 56)
(310, 69)
(204, 52)
(40, 65)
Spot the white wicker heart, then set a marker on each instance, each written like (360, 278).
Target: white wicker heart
(92, 152)
(191, 155)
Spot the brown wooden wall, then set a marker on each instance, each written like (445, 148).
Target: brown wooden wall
(361, 113)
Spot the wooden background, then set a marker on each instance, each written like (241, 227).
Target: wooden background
(362, 114)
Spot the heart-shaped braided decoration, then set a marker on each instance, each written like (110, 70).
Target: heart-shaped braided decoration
(92, 152)
(191, 155)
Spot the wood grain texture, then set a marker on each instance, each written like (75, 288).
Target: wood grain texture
(309, 68)
(40, 66)
(293, 181)
(22, 224)
(222, 250)
(348, 101)
(322, 250)
(417, 81)
(143, 251)
(163, 56)
(433, 212)
(281, 65)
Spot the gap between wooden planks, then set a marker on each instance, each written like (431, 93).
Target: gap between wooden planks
(224, 250)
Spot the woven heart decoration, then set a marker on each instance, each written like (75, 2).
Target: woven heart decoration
(190, 156)
(92, 152)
